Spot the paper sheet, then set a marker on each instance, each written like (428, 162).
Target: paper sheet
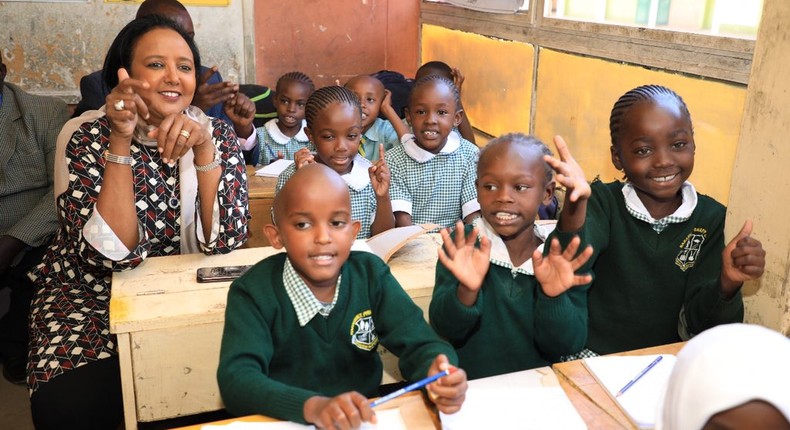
(274, 169)
(527, 408)
(388, 419)
(640, 401)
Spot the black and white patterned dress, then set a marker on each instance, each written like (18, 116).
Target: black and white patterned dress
(70, 312)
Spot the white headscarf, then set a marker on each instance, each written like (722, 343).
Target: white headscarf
(725, 367)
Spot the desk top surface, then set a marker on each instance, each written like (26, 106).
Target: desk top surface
(580, 385)
(417, 413)
(163, 291)
(260, 187)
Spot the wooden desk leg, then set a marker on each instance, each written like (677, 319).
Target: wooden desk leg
(127, 381)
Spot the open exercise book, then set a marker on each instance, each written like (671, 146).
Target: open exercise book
(387, 243)
(274, 169)
(640, 401)
(527, 400)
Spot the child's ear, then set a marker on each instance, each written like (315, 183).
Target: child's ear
(407, 113)
(459, 115)
(618, 164)
(273, 235)
(549, 192)
(356, 225)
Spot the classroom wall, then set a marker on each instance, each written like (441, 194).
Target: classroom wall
(760, 180)
(332, 43)
(573, 97)
(48, 47)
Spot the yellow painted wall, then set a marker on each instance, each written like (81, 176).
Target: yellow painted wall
(574, 96)
(498, 76)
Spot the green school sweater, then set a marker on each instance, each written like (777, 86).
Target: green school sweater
(643, 279)
(512, 326)
(270, 365)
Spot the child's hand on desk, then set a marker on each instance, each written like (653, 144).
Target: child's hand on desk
(449, 392)
(342, 412)
(743, 259)
(569, 173)
(467, 263)
(380, 175)
(303, 157)
(556, 272)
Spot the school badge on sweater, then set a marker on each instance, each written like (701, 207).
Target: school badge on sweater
(690, 248)
(363, 331)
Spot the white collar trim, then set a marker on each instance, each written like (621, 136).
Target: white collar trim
(280, 137)
(687, 192)
(422, 156)
(499, 254)
(358, 177)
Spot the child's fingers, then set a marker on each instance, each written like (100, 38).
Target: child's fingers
(485, 244)
(582, 279)
(562, 148)
(582, 258)
(460, 235)
(449, 246)
(381, 153)
(207, 75)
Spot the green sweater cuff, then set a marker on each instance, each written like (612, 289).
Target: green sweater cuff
(291, 403)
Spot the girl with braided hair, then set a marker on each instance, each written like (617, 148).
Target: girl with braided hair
(662, 270)
(334, 127)
(281, 137)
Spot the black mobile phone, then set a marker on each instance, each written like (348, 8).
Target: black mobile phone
(220, 273)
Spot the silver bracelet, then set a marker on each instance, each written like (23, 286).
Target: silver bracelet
(210, 166)
(117, 159)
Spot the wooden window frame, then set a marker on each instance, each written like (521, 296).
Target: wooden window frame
(717, 57)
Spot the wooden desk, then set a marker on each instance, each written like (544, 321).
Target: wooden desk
(169, 327)
(587, 395)
(261, 192)
(416, 411)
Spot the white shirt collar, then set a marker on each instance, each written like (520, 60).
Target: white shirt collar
(688, 194)
(422, 156)
(499, 254)
(358, 177)
(280, 137)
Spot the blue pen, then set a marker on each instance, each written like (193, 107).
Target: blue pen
(412, 387)
(640, 375)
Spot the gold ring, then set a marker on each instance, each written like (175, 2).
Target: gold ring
(185, 134)
(118, 105)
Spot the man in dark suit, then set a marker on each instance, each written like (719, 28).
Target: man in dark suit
(211, 93)
(29, 126)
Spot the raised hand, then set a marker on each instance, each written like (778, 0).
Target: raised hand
(448, 392)
(303, 157)
(380, 175)
(556, 272)
(342, 412)
(241, 111)
(458, 78)
(569, 173)
(743, 259)
(465, 261)
(207, 95)
(123, 105)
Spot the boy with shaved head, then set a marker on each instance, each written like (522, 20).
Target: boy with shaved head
(375, 100)
(302, 327)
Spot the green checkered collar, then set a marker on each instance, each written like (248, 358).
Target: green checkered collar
(422, 156)
(304, 302)
(638, 210)
(499, 254)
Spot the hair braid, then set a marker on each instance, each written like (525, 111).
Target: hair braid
(638, 94)
(520, 139)
(437, 80)
(324, 97)
(297, 77)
